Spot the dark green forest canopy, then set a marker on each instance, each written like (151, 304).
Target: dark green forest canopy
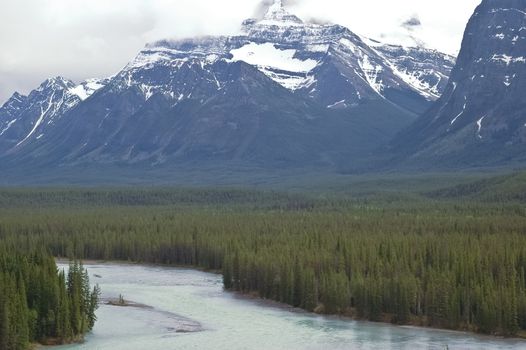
(451, 258)
(38, 303)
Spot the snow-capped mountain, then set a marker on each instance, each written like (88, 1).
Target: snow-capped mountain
(481, 117)
(327, 63)
(26, 118)
(427, 70)
(282, 92)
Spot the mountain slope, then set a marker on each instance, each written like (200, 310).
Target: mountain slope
(480, 120)
(27, 118)
(250, 119)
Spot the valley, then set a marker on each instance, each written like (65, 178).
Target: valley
(430, 257)
(289, 183)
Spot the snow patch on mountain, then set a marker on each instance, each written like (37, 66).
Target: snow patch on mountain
(336, 105)
(87, 88)
(461, 112)
(280, 65)
(372, 73)
(267, 55)
(40, 119)
(149, 58)
(9, 124)
(507, 59)
(479, 126)
(414, 79)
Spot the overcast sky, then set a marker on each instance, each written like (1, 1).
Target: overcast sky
(80, 39)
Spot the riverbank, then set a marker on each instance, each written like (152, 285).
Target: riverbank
(416, 323)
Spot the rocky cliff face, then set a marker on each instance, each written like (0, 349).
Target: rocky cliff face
(481, 117)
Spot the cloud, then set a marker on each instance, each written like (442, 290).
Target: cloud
(412, 22)
(319, 21)
(261, 8)
(79, 39)
(291, 2)
(263, 5)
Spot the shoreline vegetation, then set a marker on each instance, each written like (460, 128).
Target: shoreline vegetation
(450, 258)
(384, 320)
(40, 304)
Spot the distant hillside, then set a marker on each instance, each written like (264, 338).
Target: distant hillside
(504, 188)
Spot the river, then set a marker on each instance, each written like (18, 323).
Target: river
(188, 309)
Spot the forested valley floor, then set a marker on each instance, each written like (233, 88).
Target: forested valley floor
(450, 258)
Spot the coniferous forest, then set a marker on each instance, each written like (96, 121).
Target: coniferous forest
(40, 304)
(448, 259)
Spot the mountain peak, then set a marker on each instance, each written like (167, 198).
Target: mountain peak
(278, 3)
(15, 100)
(57, 82)
(277, 6)
(277, 15)
(17, 96)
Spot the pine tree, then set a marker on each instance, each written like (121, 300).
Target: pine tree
(93, 306)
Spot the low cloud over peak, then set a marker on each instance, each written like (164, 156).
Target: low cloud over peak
(81, 39)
